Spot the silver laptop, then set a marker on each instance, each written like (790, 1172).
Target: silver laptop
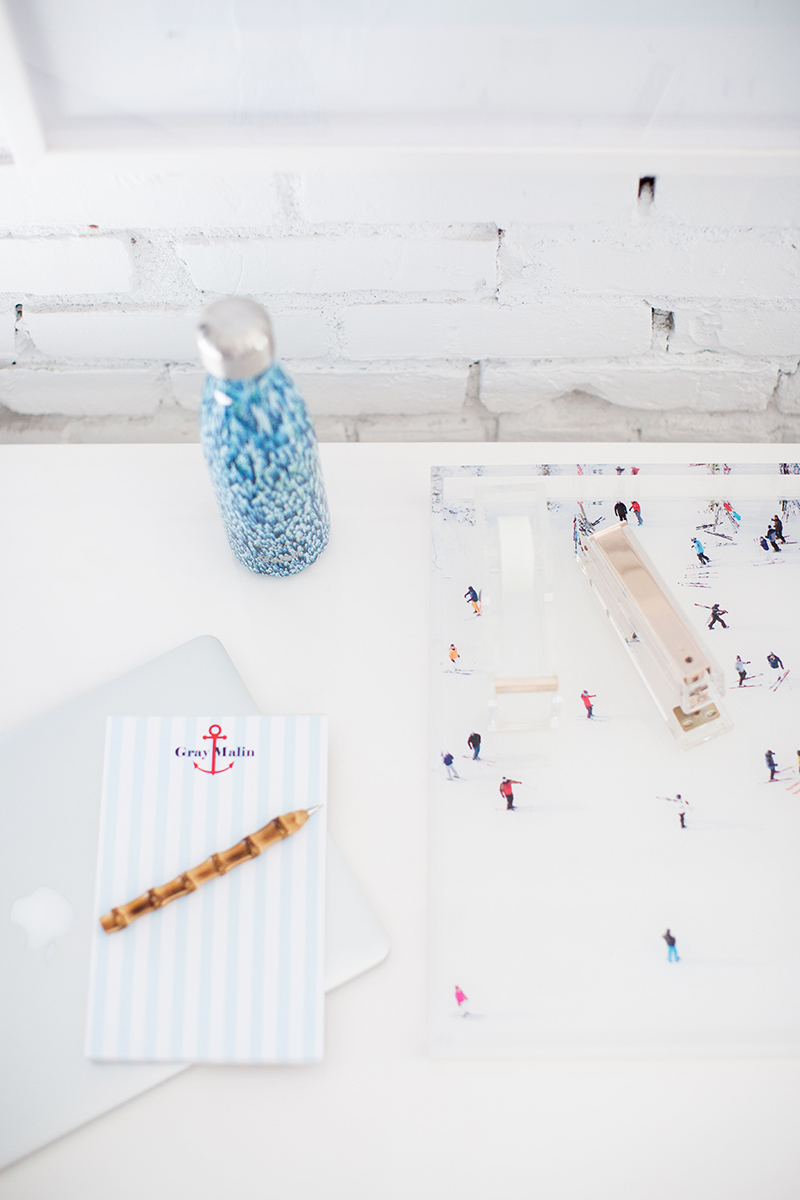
(50, 785)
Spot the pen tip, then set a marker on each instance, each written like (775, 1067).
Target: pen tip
(316, 808)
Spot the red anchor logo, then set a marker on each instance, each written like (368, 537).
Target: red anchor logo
(216, 734)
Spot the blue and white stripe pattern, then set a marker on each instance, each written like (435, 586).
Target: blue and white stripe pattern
(262, 456)
(234, 971)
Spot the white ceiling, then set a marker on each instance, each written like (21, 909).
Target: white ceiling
(517, 73)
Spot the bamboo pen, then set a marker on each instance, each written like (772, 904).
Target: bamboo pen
(218, 864)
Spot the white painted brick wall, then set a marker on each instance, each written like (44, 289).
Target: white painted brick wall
(156, 336)
(705, 385)
(70, 265)
(746, 329)
(388, 285)
(345, 264)
(7, 323)
(81, 393)
(355, 389)
(562, 327)
(579, 418)
(559, 420)
(116, 336)
(788, 391)
(721, 202)
(302, 335)
(432, 427)
(647, 262)
(186, 386)
(352, 391)
(447, 197)
(140, 191)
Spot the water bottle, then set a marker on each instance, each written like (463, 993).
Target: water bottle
(259, 444)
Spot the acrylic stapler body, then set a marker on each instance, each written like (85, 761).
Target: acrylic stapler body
(680, 674)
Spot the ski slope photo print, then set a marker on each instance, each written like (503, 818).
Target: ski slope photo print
(595, 887)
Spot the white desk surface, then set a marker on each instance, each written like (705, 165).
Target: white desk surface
(111, 555)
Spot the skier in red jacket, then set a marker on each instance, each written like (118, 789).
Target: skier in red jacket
(507, 791)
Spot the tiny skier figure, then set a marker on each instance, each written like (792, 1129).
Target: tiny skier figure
(772, 538)
(474, 743)
(453, 653)
(472, 597)
(634, 470)
(507, 791)
(777, 525)
(700, 552)
(716, 615)
(741, 668)
(763, 543)
(636, 509)
(677, 799)
(682, 815)
(620, 470)
(769, 758)
(587, 700)
(622, 511)
(774, 661)
(461, 999)
(672, 949)
(452, 773)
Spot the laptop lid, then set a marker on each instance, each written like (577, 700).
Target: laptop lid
(50, 787)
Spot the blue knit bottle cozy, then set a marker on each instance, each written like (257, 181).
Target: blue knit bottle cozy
(259, 444)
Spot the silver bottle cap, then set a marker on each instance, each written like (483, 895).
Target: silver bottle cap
(235, 338)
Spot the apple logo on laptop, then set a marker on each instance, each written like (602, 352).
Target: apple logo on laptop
(44, 915)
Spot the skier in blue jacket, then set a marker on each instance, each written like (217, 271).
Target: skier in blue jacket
(700, 552)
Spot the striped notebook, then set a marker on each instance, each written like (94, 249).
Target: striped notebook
(232, 972)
